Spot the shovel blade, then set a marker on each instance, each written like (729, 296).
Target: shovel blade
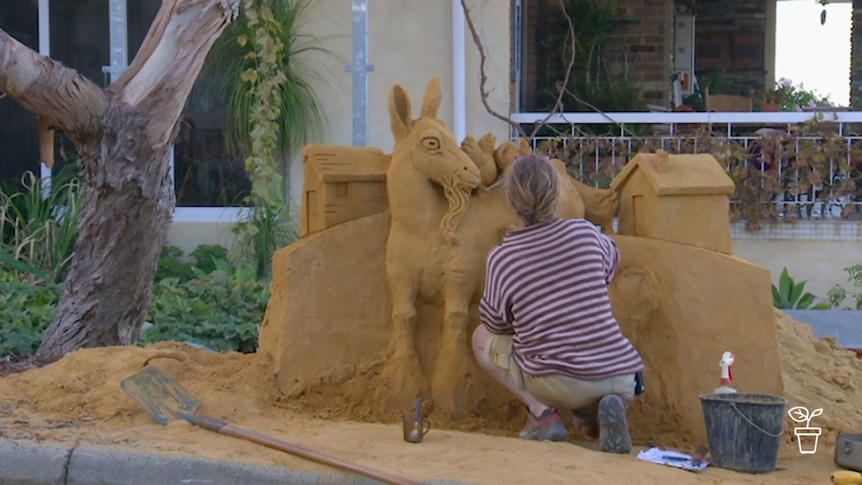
(159, 394)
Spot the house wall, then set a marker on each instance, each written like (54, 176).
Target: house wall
(816, 252)
(736, 40)
(408, 43)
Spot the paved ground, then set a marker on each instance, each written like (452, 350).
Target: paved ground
(34, 464)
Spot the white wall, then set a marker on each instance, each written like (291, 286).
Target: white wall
(819, 262)
(409, 43)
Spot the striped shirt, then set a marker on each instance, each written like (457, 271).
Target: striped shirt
(547, 285)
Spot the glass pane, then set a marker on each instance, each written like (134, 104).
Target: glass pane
(79, 36)
(205, 173)
(18, 127)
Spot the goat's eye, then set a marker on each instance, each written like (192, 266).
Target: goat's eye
(430, 143)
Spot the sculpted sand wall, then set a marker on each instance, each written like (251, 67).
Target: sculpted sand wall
(328, 325)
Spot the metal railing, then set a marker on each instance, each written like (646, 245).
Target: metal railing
(784, 154)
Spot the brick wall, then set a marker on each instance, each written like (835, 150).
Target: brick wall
(730, 40)
(730, 35)
(641, 47)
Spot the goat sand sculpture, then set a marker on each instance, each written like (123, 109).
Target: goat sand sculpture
(444, 221)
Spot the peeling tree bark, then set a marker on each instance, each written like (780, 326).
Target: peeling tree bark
(123, 134)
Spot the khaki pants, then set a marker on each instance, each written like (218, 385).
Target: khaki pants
(562, 392)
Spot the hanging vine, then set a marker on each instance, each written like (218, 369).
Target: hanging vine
(265, 78)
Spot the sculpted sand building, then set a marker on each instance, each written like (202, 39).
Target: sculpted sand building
(678, 198)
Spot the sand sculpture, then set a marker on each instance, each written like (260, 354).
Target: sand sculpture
(373, 306)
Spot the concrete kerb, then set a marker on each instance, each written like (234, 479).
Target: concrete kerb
(39, 464)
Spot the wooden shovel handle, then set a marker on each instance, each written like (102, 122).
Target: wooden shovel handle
(224, 427)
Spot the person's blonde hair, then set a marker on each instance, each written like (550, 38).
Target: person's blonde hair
(532, 189)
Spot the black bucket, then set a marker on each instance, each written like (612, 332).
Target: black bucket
(744, 430)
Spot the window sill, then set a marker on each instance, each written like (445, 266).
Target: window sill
(226, 215)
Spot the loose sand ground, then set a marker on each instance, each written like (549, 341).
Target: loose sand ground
(77, 400)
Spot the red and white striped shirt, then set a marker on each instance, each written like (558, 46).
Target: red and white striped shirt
(547, 284)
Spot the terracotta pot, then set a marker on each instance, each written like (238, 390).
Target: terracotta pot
(770, 107)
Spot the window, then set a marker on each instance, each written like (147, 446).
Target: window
(98, 38)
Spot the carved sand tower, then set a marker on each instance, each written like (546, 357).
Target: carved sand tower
(381, 305)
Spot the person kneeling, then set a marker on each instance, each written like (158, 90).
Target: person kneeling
(547, 332)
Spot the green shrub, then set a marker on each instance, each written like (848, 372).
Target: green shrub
(790, 295)
(26, 310)
(838, 293)
(38, 227)
(215, 305)
(172, 264)
(220, 310)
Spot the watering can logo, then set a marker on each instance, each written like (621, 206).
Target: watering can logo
(804, 434)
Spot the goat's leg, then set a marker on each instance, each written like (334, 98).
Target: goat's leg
(403, 380)
(456, 391)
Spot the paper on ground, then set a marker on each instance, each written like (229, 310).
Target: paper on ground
(665, 457)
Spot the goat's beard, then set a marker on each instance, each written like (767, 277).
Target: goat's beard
(457, 199)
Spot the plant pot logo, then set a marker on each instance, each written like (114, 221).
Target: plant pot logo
(806, 436)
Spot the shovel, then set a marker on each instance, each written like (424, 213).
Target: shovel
(165, 400)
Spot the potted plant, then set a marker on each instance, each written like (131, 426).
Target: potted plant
(771, 99)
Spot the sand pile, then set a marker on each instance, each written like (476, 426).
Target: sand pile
(82, 390)
(817, 373)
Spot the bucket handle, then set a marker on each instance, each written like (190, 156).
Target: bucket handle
(767, 433)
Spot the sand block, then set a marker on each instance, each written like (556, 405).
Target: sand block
(682, 306)
(677, 198)
(329, 306)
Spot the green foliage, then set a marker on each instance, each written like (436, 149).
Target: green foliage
(207, 255)
(172, 265)
(221, 310)
(264, 229)
(26, 310)
(809, 171)
(797, 97)
(38, 226)
(838, 294)
(256, 69)
(790, 295)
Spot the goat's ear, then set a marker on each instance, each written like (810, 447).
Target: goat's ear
(400, 111)
(431, 99)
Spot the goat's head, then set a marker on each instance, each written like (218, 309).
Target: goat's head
(427, 143)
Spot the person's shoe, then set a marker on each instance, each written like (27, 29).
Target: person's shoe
(614, 434)
(549, 426)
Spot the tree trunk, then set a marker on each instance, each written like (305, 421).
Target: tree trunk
(123, 135)
(127, 202)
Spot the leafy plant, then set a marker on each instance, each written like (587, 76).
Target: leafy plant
(39, 226)
(808, 171)
(255, 68)
(173, 265)
(26, 310)
(220, 310)
(791, 295)
(838, 294)
(264, 229)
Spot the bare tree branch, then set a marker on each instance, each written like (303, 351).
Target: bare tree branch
(483, 79)
(49, 89)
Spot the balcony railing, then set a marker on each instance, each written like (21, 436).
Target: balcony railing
(786, 165)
